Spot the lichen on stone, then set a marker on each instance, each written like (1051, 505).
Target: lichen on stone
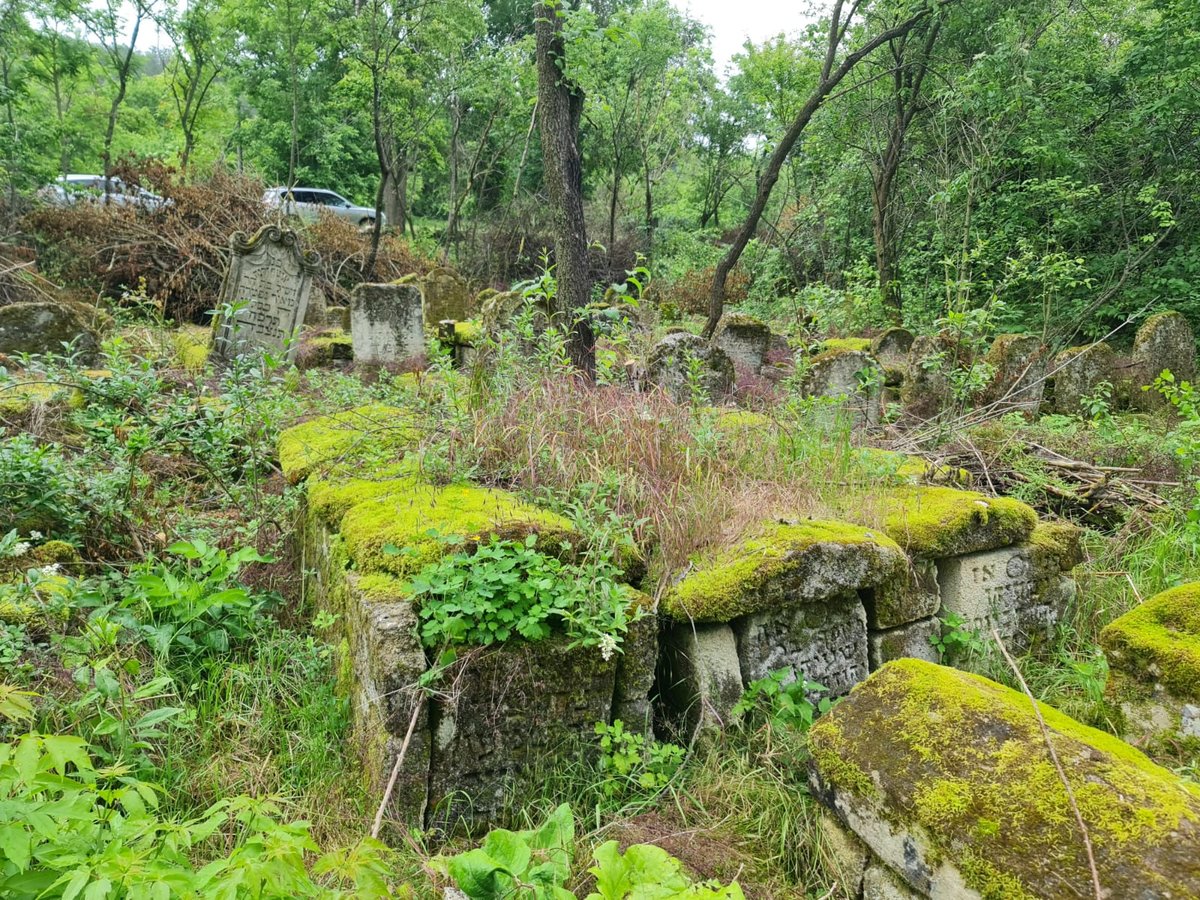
(936, 522)
(367, 435)
(960, 761)
(1159, 642)
(842, 345)
(192, 345)
(782, 563)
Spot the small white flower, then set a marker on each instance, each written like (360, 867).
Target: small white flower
(608, 646)
(52, 569)
(19, 549)
(36, 535)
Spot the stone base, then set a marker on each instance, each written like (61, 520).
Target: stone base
(700, 676)
(912, 641)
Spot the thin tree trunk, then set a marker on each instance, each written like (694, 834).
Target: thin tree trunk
(561, 104)
(831, 76)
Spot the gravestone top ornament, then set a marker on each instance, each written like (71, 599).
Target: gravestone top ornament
(269, 279)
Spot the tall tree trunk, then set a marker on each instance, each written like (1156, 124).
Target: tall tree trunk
(561, 104)
(649, 185)
(831, 76)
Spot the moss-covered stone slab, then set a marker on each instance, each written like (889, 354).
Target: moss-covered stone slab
(912, 595)
(911, 641)
(323, 349)
(42, 327)
(1153, 656)
(191, 344)
(892, 347)
(682, 364)
(935, 522)
(946, 777)
(1165, 342)
(744, 339)
(1076, 374)
(363, 437)
(781, 565)
(926, 389)
(415, 519)
(844, 344)
(1018, 363)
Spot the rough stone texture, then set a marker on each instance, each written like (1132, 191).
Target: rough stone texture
(1076, 372)
(1165, 341)
(385, 323)
(1007, 589)
(934, 522)
(324, 348)
(669, 367)
(945, 776)
(635, 672)
(700, 675)
(42, 327)
(880, 883)
(500, 309)
(913, 640)
(850, 855)
(316, 310)
(854, 376)
(824, 640)
(744, 339)
(892, 347)
(1019, 362)
(1153, 655)
(516, 706)
(927, 390)
(910, 596)
(784, 565)
(447, 296)
(272, 276)
(338, 317)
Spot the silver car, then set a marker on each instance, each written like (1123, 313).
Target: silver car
(69, 189)
(307, 203)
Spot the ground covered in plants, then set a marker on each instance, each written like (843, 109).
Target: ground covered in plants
(170, 711)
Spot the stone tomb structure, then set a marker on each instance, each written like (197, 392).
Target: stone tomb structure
(270, 275)
(745, 339)
(1153, 655)
(939, 784)
(386, 323)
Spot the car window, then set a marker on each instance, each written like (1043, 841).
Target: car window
(303, 196)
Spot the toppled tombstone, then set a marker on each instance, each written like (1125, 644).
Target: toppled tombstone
(268, 281)
(853, 378)
(942, 782)
(386, 323)
(1018, 363)
(1078, 372)
(934, 522)
(689, 368)
(1165, 342)
(790, 596)
(1154, 665)
(745, 339)
(447, 296)
(51, 327)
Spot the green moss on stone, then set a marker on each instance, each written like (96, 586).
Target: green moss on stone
(406, 519)
(467, 332)
(333, 493)
(191, 348)
(936, 522)
(1159, 642)
(1060, 542)
(367, 436)
(735, 581)
(965, 758)
(842, 345)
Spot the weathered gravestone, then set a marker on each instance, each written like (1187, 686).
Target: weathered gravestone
(1018, 362)
(853, 377)
(1165, 342)
(447, 296)
(1078, 373)
(386, 323)
(684, 364)
(41, 327)
(269, 279)
(744, 339)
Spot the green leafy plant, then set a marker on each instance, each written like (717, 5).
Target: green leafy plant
(957, 642)
(783, 698)
(506, 589)
(633, 765)
(646, 872)
(193, 602)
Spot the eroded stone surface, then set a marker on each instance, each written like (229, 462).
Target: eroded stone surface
(1019, 363)
(701, 676)
(744, 339)
(851, 376)
(446, 295)
(892, 347)
(1078, 372)
(1164, 342)
(386, 324)
(683, 363)
(825, 641)
(914, 640)
(912, 595)
(41, 327)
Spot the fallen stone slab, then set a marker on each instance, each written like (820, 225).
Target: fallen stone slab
(945, 779)
(52, 327)
(1153, 655)
(934, 522)
(357, 438)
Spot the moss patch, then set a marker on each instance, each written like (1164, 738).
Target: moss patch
(405, 520)
(783, 563)
(1159, 642)
(366, 436)
(191, 347)
(936, 522)
(964, 757)
(467, 332)
(842, 345)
